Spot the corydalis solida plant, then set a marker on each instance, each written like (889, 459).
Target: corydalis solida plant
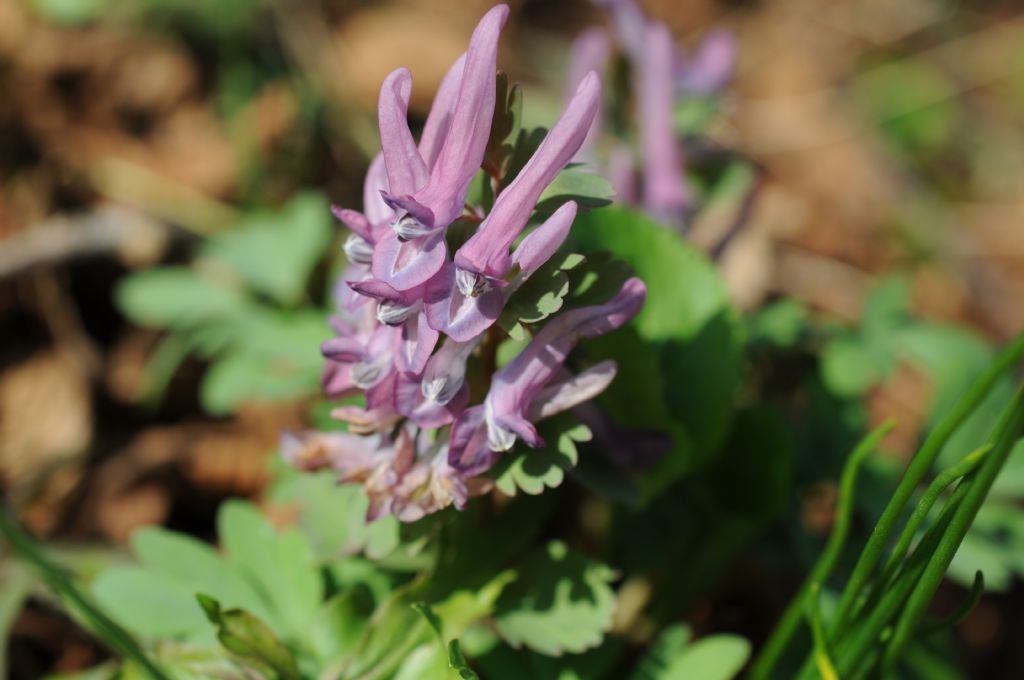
(412, 315)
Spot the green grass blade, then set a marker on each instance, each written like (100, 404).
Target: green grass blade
(916, 471)
(788, 623)
(1009, 430)
(61, 584)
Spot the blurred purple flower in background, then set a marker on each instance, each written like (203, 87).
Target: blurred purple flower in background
(410, 317)
(661, 76)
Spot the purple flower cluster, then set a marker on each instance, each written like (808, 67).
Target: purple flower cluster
(411, 315)
(662, 75)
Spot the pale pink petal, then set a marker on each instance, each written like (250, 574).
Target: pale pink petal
(570, 393)
(406, 264)
(590, 51)
(354, 220)
(515, 386)
(460, 317)
(540, 244)
(374, 207)
(337, 379)
(416, 341)
(439, 120)
(710, 67)
(486, 252)
(405, 167)
(427, 414)
(629, 22)
(344, 349)
(468, 451)
(464, 145)
(666, 194)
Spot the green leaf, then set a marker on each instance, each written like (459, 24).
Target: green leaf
(674, 657)
(272, 362)
(727, 195)
(149, 603)
(332, 516)
(457, 662)
(607, 478)
(540, 296)
(15, 584)
(498, 661)
(340, 624)
(597, 280)
(196, 566)
(281, 565)
(482, 543)
(526, 144)
(449, 619)
(481, 194)
(849, 368)
(780, 325)
(395, 630)
(507, 121)
(588, 190)
(274, 252)
(69, 12)
(464, 607)
(285, 336)
(425, 662)
(754, 476)
(250, 640)
(561, 602)
(914, 100)
(177, 297)
(693, 114)
(887, 304)
(687, 324)
(161, 365)
(533, 470)
(636, 400)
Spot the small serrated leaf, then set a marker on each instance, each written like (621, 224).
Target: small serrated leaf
(542, 294)
(533, 470)
(675, 655)
(598, 282)
(525, 145)
(561, 602)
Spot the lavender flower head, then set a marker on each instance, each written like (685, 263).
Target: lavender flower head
(413, 318)
(661, 75)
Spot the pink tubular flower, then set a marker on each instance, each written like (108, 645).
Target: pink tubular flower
(487, 251)
(427, 198)
(415, 339)
(464, 300)
(590, 52)
(665, 193)
(416, 444)
(709, 69)
(482, 432)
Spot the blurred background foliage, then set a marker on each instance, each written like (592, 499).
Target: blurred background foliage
(160, 328)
